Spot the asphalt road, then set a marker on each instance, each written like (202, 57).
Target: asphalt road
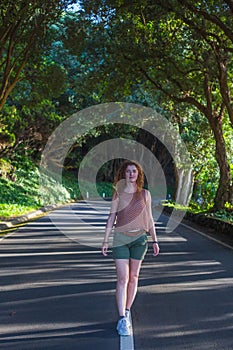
(58, 292)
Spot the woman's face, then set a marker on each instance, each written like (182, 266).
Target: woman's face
(131, 173)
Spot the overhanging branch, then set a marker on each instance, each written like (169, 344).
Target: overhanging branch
(184, 99)
(210, 17)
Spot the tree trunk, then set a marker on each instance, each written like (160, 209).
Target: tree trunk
(184, 178)
(224, 191)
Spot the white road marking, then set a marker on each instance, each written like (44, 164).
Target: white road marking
(127, 342)
(208, 236)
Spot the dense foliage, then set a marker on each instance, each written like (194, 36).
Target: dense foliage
(22, 192)
(174, 56)
(183, 49)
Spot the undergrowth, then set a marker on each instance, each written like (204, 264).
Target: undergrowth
(29, 190)
(225, 214)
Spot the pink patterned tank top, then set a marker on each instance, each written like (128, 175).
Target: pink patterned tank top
(132, 214)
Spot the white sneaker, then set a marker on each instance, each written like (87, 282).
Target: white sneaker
(123, 326)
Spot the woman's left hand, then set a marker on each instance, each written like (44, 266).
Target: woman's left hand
(156, 249)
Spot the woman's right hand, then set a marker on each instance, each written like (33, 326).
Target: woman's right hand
(155, 248)
(105, 249)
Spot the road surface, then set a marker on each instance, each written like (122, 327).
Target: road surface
(57, 291)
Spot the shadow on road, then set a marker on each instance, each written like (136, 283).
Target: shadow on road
(55, 294)
(185, 298)
(59, 294)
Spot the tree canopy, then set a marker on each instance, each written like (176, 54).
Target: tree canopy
(174, 56)
(182, 49)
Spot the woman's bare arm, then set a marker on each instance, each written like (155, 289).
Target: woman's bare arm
(110, 223)
(151, 224)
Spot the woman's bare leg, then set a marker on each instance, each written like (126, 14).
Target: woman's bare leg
(134, 269)
(122, 269)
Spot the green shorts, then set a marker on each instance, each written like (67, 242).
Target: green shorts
(126, 247)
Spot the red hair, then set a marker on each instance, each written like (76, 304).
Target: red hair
(121, 174)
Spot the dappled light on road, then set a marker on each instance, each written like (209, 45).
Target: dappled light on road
(57, 293)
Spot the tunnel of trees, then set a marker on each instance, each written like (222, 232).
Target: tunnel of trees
(59, 57)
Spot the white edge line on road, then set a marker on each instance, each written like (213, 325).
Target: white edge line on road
(7, 235)
(208, 236)
(127, 342)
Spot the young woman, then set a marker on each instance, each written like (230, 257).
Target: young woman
(132, 219)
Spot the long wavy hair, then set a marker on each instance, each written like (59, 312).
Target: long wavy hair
(120, 185)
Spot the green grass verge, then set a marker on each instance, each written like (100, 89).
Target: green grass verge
(30, 191)
(223, 214)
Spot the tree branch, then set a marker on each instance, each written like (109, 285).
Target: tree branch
(224, 89)
(185, 99)
(212, 18)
